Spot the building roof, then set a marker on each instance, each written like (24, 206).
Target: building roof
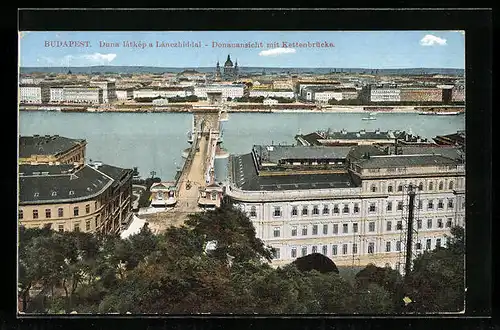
(449, 152)
(360, 151)
(246, 178)
(46, 145)
(405, 161)
(275, 153)
(39, 186)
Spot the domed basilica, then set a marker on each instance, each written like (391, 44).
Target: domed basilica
(229, 72)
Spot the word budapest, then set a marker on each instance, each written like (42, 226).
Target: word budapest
(66, 43)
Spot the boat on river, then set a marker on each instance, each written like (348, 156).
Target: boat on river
(370, 117)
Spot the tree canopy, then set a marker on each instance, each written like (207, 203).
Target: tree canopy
(173, 273)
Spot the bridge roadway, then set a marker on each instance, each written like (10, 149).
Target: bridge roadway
(198, 163)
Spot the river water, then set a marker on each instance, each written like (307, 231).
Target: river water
(154, 141)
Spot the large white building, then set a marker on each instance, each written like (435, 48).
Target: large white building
(286, 93)
(228, 90)
(348, 203)
(56, 94)
(165, 92)
(325, 96)
(108, 90)
(86, 95)
(124, 94)
(385, 95)
(36, 94)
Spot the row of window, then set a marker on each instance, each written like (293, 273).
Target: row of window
(373, 187)
(345, 209)
(355, 228)
(334, 250)
(60, 212)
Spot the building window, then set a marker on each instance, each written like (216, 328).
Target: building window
(277, 211)
(356, 208)
(371, 247)
(450, 185)
(371, 226)
(325, 250)
(420, 186)
(345, 228)
(354, 227)
(440, 187)
(388, 226)
(389, 206)
(293, 253)
(294, 231)
(418, 246)
(336, 208)
(315, 230)
(354, 248)
(75, 211)
(397, 266)
(335, 228)
(463, 204)
(438, 243)
(389, 188)
(294, 210)
(61, 228)
(440, 204)
(450, 203)
(48, 214)
(276, 253)
(87, 225)
(345, 209)
(430, 205)
(373, 188)
(304, 231)
(87, 208)
(428, 244)
(20, 214)
(314, 249)
(60, 212)
(276, 232)
(372, 207)
(387, 246)
(325, 229)
(400, 206)
(253, 211)
(304, 251)
(400, 188)
(419, 204)
(419, 224)
(77, 227)
(399, 225)
(344, 248)
(334, 249)
(326, 210)
(315, 210)
(440, 223)
(305, 210)
(431, 186)
(429, 223)
(398, 246)
(35, 214)
(448, 223)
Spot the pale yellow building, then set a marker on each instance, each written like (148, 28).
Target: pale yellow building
(88, 198)
(51, 149)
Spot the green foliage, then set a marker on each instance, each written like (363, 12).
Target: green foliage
(172, 273)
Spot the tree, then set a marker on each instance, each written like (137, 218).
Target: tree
(436, 282)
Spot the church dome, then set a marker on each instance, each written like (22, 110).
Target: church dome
(228, 62)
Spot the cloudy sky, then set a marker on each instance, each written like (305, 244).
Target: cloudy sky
(384, 49)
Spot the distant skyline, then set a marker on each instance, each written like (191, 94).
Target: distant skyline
(300, 49)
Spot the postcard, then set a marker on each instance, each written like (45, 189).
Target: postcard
(241, 172)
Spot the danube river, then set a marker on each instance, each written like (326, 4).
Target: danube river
(154, 141)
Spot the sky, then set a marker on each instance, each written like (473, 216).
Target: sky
(350, 49)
